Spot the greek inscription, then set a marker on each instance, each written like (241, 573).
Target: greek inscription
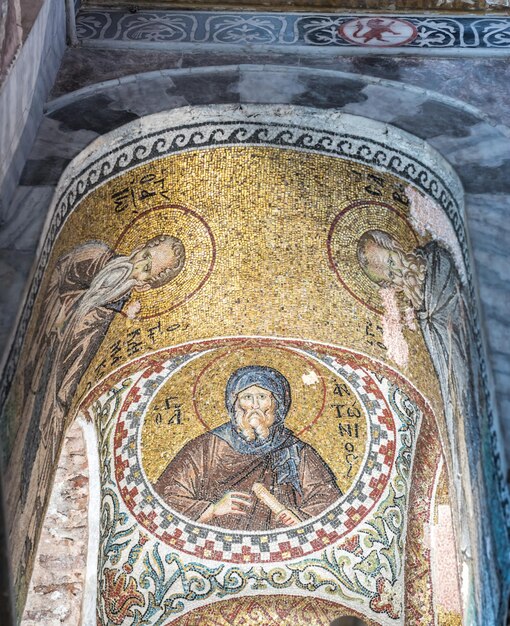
(139, 190)
(341, 389)
(350, 458)
(373, 335)
(375, 186)
(169, 413)
(137, 341)
(343, 410)
(349, 430)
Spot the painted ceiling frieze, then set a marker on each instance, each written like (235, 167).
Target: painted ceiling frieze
(415, 34)
(268, 316)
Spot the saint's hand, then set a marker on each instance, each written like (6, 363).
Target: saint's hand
(232, 503)
(287, 518)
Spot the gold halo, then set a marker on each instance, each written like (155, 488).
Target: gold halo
(199, 389)
(347, 228)
(307, 401)
(198, 240)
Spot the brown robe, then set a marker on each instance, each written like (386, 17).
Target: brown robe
(61, 349)
(207, 467)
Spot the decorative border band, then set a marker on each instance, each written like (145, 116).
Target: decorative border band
(287, 30)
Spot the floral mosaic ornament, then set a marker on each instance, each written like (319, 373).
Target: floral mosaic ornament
(120, 596)
(280, 610)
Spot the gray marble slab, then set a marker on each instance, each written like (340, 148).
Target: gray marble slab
(15, 266)
(481, 82)
(22, 221)
(25, 90)
(489, 228)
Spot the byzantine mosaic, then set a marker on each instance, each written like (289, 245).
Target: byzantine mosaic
(267, 312)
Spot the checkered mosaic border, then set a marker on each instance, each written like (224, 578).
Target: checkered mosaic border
(203, 541)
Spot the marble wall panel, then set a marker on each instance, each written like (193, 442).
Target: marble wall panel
(57, 586)
(346, 32)
(23, 93)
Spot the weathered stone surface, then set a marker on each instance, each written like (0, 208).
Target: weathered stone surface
(296, 5)
(56, 591)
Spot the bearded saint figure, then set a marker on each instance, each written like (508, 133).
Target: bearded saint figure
(87, 288)
(428, 278)
(251, 473)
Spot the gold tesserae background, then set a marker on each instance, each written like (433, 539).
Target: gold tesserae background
(270, 237)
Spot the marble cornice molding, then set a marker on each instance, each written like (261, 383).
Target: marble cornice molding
(399, 6)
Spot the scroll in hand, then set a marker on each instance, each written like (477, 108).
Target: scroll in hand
(283, 514)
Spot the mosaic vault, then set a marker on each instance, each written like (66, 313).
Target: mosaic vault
(268, 315)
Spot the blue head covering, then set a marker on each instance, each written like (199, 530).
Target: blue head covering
(281, 447)
(262, 376)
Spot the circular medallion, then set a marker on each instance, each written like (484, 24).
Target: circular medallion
(347, 228)
(378, 31)
(173, 408)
